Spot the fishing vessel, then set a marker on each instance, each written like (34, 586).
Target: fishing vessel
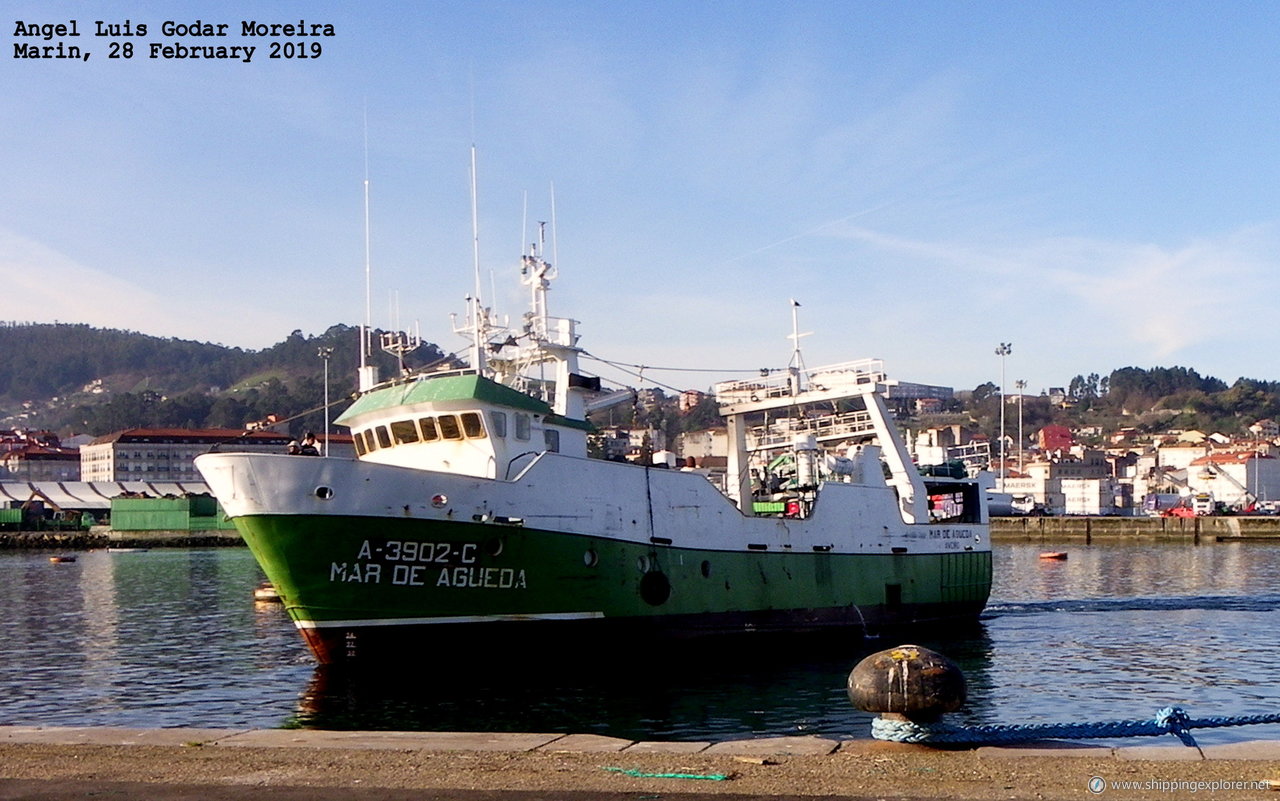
(473, 518)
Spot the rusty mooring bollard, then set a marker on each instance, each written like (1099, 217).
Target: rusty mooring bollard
(910, 681)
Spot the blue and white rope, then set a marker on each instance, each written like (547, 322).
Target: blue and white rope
(1170, 720)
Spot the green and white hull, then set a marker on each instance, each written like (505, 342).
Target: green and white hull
(473, 515)
(371, 558)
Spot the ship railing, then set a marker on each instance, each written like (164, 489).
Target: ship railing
(423, 375)
(558, 331)
(782, 433)
(980, 451)
(854, 376)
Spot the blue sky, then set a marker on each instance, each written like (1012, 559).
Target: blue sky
(1095, 183)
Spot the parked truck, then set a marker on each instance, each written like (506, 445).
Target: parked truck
(1203, 505)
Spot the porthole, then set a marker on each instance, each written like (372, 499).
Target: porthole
(590, 558)
(324, 493)
(642, 564)
(439, 501)
(706, 570)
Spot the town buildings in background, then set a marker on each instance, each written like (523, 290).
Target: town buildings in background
(37, 456)
(1047, 471)
(168, 454)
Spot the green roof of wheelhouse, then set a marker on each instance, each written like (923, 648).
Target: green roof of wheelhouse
(441, 390)
(447, 389)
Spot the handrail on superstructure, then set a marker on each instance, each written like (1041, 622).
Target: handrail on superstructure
(416, 376)
(560, 331)
(780, 384)
(782, 433)
(800, 386)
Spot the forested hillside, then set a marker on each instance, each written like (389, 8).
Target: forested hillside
(1146, 400)
(76, 379)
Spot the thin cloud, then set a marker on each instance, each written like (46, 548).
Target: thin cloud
(47, 286)
(1165, 298)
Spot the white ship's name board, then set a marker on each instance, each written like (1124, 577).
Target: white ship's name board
(424, 564)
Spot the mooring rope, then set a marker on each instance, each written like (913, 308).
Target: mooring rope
(1170, 720)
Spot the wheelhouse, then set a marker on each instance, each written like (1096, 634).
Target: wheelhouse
(462, 423)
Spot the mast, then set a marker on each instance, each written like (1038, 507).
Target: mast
(477, 335)
(551, 339)
(399, 343)
(795, 367)
(367, 376)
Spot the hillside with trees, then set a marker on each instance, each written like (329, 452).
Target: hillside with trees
(1148, 401)
(76, 379)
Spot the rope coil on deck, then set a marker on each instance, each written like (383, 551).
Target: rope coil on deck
(1170, 720)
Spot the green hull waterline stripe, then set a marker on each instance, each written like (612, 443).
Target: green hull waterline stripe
(418, 621)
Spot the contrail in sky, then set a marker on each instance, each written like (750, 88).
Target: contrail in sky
(809, 232)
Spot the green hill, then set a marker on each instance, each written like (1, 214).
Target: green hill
(76, 379)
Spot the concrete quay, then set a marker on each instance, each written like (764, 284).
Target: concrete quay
(103, 537)
(1100, 530)
(51, 763)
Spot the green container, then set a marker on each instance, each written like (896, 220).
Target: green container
(195, 513)
(769, 507)
(203, 505)
(210, 523)
(149, 504)
(146, 520)
(150, 514)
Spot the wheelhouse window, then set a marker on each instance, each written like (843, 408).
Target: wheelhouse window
(473, 425)
(498, 423)
(403, 432)
(429, 430)
(522, 426)
(466, 425)
(449, 428)
(552, 439)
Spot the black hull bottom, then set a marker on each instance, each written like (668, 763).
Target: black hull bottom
(660, 638)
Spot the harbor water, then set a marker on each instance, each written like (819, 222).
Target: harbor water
(169, 637)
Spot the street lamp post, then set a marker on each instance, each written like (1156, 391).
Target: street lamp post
(326, 353)
(1004, 350)
(1022, 386)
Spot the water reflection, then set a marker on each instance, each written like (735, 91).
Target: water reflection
(154, 638)
(768, 686)
(1133, 569)
(173, 638)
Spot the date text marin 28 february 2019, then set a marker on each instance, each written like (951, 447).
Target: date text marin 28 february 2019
(197, 39)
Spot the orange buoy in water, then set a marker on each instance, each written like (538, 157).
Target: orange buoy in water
(1059, 555)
